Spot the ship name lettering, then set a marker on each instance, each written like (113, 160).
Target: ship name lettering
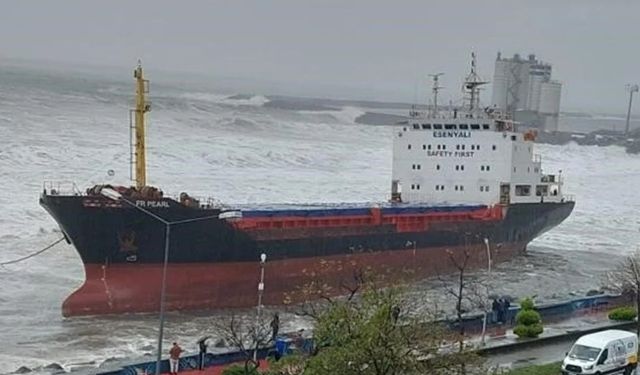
(451, 134)
(451, 154)
(152, 204)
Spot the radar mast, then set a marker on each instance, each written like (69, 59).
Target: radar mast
(435, 89)
(471, 87)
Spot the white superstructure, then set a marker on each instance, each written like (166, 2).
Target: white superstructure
(468, 156)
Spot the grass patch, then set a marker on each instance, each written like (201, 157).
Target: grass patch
(549, 369)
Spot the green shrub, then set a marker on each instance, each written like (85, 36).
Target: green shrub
(533, 330)
(239, 370)
(527, 317)
(623, 314)
(528, 321)
(527, 304)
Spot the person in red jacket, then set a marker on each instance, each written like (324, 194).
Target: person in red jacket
(174, 358)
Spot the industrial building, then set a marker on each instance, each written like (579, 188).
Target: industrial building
(524, 89)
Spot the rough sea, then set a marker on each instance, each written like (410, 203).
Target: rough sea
(62, 125)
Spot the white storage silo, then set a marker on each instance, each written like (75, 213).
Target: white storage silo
(550, 93)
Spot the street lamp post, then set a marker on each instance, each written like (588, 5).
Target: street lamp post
(263, 259)
(632, 89)
(484, 320)
(114, 195)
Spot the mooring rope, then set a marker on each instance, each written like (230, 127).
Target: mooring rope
(32, 254)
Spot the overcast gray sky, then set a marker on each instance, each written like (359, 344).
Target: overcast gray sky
(367, 49)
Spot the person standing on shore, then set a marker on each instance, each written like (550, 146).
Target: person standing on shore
(275, 326)
(202, 345)
(495, 308)
(174, 358)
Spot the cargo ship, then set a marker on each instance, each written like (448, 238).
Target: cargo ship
(465, 183)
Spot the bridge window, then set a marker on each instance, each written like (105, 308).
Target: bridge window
(463, 126)
(439, 147)
(481, 188)
(418, 187)
(523, 190)
(429, 147)
(413, 187)
(437, 126)
(438, 167)
(426, 126)
(482, 167)
(416, 126)
(424, 147)
(513, 137)
(444, 147)
(494, 147)
(542, 190)
(463, 147)
(477, 147)
(409, 147)
(418, 166)
(475, 126)
(450, 126)
(485, 126)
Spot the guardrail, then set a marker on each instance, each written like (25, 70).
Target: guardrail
(61, 188)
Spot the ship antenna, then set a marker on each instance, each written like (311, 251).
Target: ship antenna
(472, 83)
(142, 107)
(435, 89)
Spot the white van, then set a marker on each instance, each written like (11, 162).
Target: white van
(606, 352)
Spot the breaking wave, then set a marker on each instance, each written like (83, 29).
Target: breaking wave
(233, 100)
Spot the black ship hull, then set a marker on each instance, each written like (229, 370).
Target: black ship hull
(213, 262)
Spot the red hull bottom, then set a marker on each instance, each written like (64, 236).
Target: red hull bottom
(130, 288)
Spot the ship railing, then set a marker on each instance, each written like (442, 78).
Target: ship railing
(569, 197)
(210, 202)
(61, 188)
(205, 203)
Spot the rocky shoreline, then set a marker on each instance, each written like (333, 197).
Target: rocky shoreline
(603, 138)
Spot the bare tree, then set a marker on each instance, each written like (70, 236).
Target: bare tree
(625, 279)
(469, 291)
(245, 337)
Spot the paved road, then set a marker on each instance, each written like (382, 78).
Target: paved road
(536, 355)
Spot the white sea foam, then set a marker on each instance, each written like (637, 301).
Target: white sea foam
(235, 100)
